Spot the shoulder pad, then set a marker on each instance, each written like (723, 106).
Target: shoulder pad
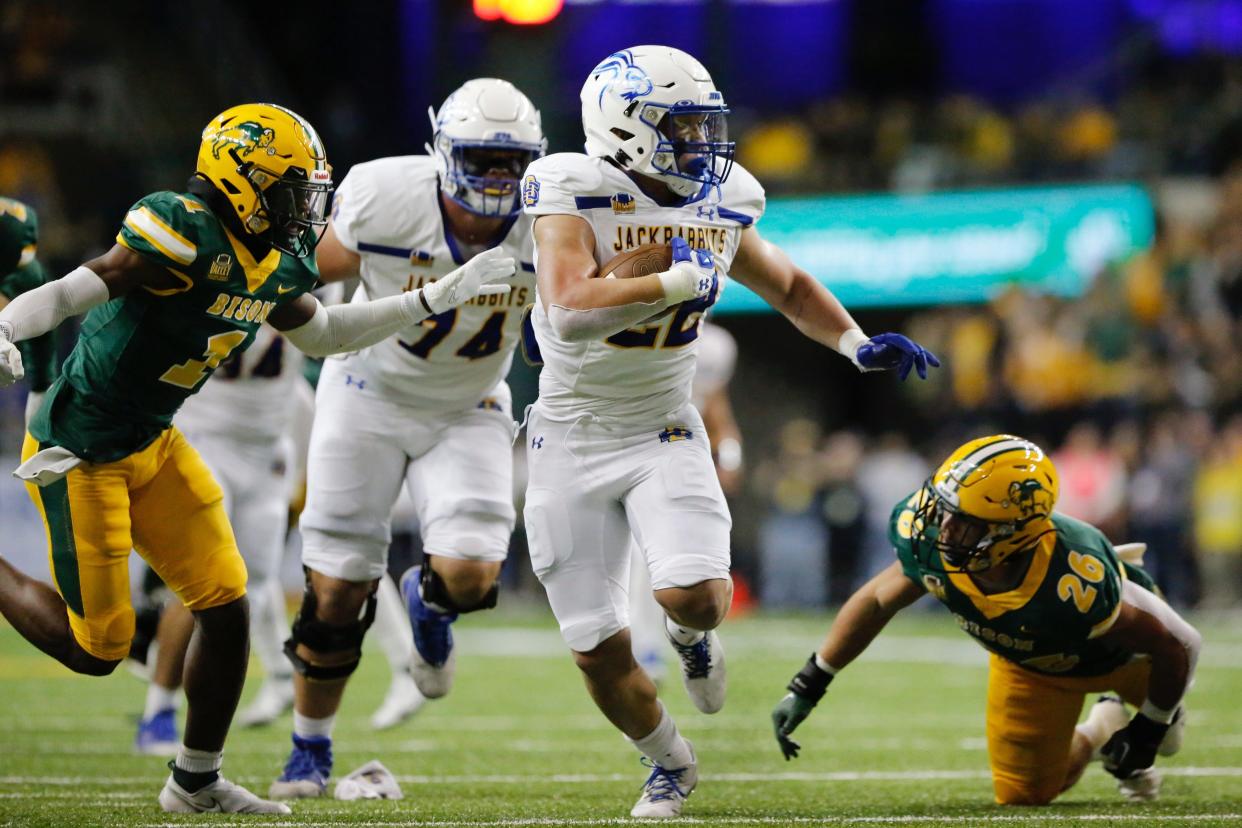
(165, 227)
(742, 197)
(376, 202)
(553, 183)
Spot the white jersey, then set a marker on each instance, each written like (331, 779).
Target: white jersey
(642, 374)
(389, 212)
(717, 358)
(251, 397)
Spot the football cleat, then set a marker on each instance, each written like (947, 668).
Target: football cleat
(703, 671)
(1142, 786)
(274, 698)
(220, 796)
(307, 771)
(402, 701)
(433, 662)
(1107, 716)
(666, 789)
(157, 736)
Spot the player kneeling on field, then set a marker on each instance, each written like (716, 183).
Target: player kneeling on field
(1063, 613)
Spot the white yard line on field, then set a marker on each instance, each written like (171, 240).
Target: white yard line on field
(528, 779)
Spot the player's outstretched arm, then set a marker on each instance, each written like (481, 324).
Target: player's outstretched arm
(38, 311)
(814, 310)
(581, 307)
(319, 331)
(857, 624)
(1146, 625)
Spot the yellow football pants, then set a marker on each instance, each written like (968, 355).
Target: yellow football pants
(1031, 719)
(161, 501)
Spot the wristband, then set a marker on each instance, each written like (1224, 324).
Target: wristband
(811, 682)
(850, 342)
(1158, 714)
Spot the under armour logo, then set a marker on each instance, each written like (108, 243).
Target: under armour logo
(536, 442)
(349, 380)
(708, 213)
(705, 285)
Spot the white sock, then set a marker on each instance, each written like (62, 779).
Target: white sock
(664, 745)
(199, 761)
(160, 699)
(682, 635)
(304, 727)
(392, 627)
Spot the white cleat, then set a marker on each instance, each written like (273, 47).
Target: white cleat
(221, 795)
(402, 701)
(1143, 786)
(703, 671)
(666, 790)
(1107, 716)
(274, 699)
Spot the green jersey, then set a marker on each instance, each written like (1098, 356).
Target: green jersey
(1050, 622)
(140, 355)
(20, 271)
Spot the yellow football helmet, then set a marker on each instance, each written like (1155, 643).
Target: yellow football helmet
(271, 166)
(991, 499)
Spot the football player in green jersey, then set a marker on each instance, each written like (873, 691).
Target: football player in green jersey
(191, 278)
(20, 271)
(1060, 610)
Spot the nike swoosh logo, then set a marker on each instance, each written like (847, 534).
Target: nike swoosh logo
(282, 290)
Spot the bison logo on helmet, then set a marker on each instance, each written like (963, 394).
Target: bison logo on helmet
(247, 136)
(1031, 498)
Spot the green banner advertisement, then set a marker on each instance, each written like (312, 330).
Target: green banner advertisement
(889, 250)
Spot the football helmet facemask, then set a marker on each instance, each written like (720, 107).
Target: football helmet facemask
(270, 165)
(655, 110)
(485, 136)
(990, 500)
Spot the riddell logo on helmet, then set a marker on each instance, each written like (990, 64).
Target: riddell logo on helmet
(247, 136)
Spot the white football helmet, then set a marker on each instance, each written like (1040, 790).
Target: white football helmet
(655, 110)
(484, 136)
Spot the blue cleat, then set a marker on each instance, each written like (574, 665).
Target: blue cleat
(433, 662)
(307, 771)
(157, 736)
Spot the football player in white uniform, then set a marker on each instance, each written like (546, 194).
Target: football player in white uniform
(709, 392)
(615, 448)
(428, 408)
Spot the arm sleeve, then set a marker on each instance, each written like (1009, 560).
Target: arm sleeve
(39, 353)
(344, 328)
(42, 309)
(1150, 603)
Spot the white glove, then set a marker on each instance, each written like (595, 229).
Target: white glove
(476, 277)
(692, 275)
(11, 369)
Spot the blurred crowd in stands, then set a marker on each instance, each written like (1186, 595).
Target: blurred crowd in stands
(1135, 387)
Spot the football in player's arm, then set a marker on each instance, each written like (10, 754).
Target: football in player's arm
(191, 278)
(1062, 612)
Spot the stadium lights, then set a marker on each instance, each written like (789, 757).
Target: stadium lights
(521, 12)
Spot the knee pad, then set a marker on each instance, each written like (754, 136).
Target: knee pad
(327, 639)
(431, 587)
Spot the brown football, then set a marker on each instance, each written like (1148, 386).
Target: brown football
(641, 261)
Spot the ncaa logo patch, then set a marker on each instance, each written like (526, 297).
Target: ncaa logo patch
(530, 191)
(623, 203)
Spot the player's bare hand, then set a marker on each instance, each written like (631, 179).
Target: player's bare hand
(484, 274)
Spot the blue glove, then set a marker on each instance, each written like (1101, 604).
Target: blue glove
(892, 351)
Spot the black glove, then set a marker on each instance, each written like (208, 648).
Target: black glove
(805, 690)
(1133, 748)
